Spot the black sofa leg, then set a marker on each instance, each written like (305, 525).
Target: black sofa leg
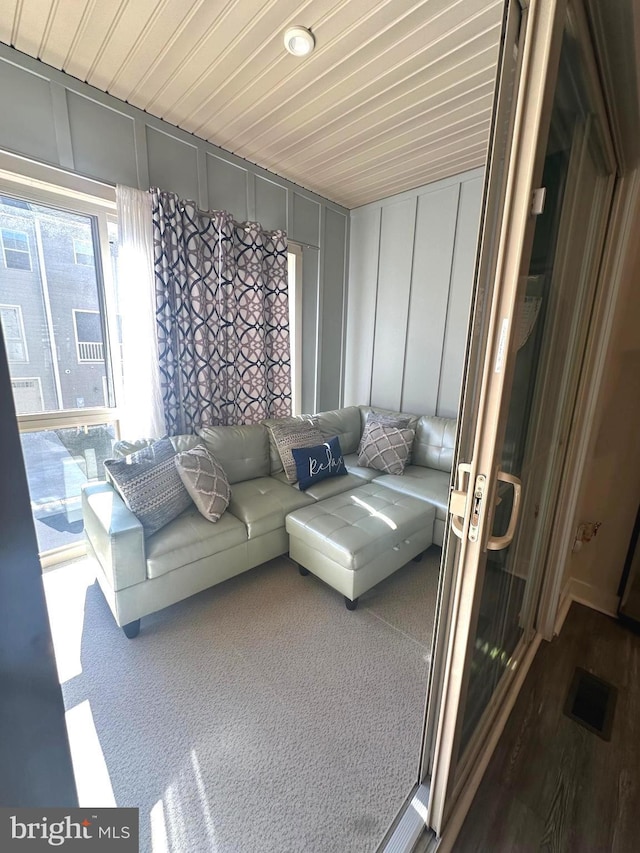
(350, 605)
(132, 629)
(418, 557)
(304, 572)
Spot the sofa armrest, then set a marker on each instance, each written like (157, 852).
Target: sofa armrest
(115, 534)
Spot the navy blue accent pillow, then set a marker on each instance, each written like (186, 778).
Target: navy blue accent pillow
(314, 464)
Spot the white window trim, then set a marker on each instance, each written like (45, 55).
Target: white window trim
(294, 261)
(22, 251)
(25, 360)
(75, 312)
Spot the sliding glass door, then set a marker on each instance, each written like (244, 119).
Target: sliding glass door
(548, 197)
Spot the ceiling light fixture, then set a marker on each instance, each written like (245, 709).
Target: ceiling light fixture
(299, 41)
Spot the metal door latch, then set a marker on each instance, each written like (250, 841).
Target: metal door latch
(537, 201)
(476, 507)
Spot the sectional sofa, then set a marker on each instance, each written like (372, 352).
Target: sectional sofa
(266, 514)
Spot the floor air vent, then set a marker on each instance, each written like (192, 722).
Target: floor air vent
(591, 703)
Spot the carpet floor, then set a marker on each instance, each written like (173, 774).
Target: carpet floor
(259, 716)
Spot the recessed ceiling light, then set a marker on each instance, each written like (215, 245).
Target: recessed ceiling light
(299, 41)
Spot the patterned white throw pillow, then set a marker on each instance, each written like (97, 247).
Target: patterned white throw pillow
(386, 448)
(205, 480)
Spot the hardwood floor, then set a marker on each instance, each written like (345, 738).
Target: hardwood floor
(551, 784)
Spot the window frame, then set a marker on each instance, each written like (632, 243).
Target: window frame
(21, 251)
(35, 182)
(25, 360)
(101, 209)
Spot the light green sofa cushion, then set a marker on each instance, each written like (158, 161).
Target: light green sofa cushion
(243, 451)
(434, 443)
(189, 538)
(425, 483)
(345, 423)
(329, 487)
(354, 467)
(354, 528)
(263, 503)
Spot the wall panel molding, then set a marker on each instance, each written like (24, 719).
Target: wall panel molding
(62, 126)
(410, 279)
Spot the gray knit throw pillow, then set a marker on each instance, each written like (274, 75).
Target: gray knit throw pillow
(149, 484)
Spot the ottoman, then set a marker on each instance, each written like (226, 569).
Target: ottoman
(356, 539)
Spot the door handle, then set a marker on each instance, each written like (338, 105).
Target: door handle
(458, 500)
(497, 543)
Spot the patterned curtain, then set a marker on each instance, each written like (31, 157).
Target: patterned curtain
(223, 317)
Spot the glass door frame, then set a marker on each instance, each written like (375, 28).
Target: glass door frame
(540, 43)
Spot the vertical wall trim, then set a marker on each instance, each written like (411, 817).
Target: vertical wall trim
(320, 303)
(289, 211)
(203, 185)
(251, 196)
(142, 155)
(375, 312)
(61, 124)
(345, 304)
(406, 328)
(446, 316)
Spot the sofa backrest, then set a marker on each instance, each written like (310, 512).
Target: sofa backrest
(364, 411)
(345, 423)
(243, 451)
(434, 443)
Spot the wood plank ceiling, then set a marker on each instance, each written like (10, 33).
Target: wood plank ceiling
(396, 94)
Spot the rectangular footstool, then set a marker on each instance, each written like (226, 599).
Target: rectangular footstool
(354, 540)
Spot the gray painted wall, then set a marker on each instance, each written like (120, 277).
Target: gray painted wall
(411, 264)
(51, 117)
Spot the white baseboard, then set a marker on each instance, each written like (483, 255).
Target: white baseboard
(591, 596)
(563, 609)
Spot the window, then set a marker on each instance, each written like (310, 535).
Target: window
(83, 252)
(89, 340)
(55, 325)
(16, 249)
(13, 330)
(63, 304)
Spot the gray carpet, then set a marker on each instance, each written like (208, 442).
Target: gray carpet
(259, 715)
